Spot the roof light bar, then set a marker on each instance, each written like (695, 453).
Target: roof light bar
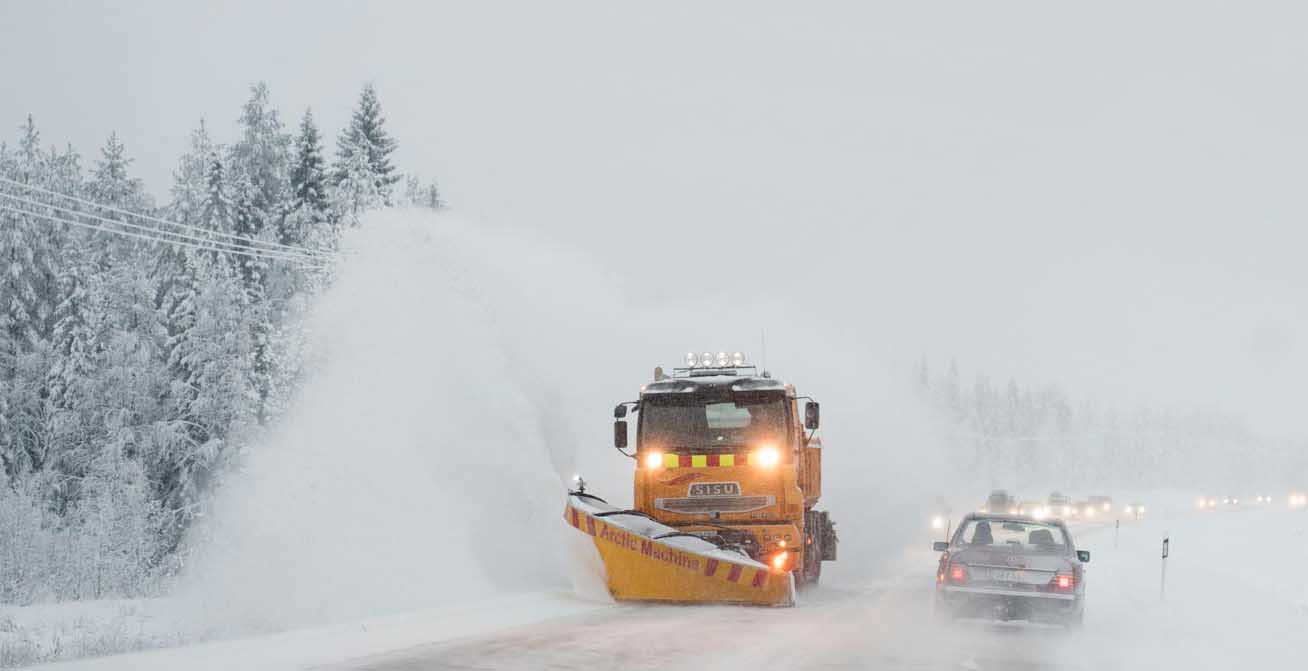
(711, 360)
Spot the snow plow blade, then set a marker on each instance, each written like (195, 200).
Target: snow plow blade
(648, 561)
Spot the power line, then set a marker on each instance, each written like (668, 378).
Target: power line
(241, 238)
(180, 243)
(230, 246)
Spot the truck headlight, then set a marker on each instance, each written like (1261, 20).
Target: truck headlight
(653, 460)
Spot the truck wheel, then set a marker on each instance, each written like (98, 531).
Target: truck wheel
(812, 571)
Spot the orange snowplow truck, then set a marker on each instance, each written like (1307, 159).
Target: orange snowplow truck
(726, 467)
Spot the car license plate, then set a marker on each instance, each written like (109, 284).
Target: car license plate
(715, 489)
(1008, 575)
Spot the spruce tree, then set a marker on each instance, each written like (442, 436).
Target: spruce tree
(356, 189)
(367, 133)
(190, 188)
(309, 206)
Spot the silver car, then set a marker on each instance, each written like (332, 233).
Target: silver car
(1011, 567)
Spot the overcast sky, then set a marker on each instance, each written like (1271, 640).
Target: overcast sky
(1108, 195)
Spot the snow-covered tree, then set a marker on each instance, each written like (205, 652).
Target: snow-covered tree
(367, 134)
(356, 190)
(191, 185)
(310, 211)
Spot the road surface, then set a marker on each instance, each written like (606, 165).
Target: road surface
(1237, 597)
(1220, 616)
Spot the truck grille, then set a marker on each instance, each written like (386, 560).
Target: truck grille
(714, 504)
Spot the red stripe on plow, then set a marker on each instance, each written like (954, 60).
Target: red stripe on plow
(734, 575)
(760, 576)
(710, 567)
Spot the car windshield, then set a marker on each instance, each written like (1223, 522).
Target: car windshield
(1012, 535)
(675, 421)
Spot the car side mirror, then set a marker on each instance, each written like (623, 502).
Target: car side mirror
(811, 415)
(1083, 555)
(620, 411)
(940, 546)
(620, 434)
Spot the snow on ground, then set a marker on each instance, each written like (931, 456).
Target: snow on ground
(1236, 598)
(50, 631)
(313, 648)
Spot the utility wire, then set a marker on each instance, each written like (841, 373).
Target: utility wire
(231, 246)
(180, 243)
(241, 238)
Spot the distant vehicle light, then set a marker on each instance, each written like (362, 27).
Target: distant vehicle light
(1108, 507)
(1064, 582)
(653, 460)
(937, 522)
(1067, 510)
(1090, 512)
(1129, 510)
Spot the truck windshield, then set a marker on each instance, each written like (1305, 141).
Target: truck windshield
(677, 421)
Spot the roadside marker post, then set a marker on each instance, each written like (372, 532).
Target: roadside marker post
(1162, 582)
(1117, 531)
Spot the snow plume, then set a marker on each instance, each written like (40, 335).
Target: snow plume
(464, 375)
(412, 469)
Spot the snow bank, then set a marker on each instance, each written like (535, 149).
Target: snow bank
(46, 632)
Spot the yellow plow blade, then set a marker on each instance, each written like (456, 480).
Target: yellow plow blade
(640, 566)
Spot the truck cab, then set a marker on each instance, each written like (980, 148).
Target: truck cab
(723, 452)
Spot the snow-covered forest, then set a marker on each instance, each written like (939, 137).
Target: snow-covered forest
(143, 341)
(1011, 435)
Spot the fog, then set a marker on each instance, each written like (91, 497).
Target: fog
(1104, 197)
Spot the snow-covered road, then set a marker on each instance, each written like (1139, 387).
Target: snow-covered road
(1237, 596)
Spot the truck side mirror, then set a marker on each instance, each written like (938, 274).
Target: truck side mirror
(620, 434)
(811, 415)
(1083, 555)
(940, 546)
(620, 411)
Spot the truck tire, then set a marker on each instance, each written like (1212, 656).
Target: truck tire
(819, 546)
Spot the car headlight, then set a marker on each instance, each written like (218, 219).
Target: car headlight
(937, 522)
